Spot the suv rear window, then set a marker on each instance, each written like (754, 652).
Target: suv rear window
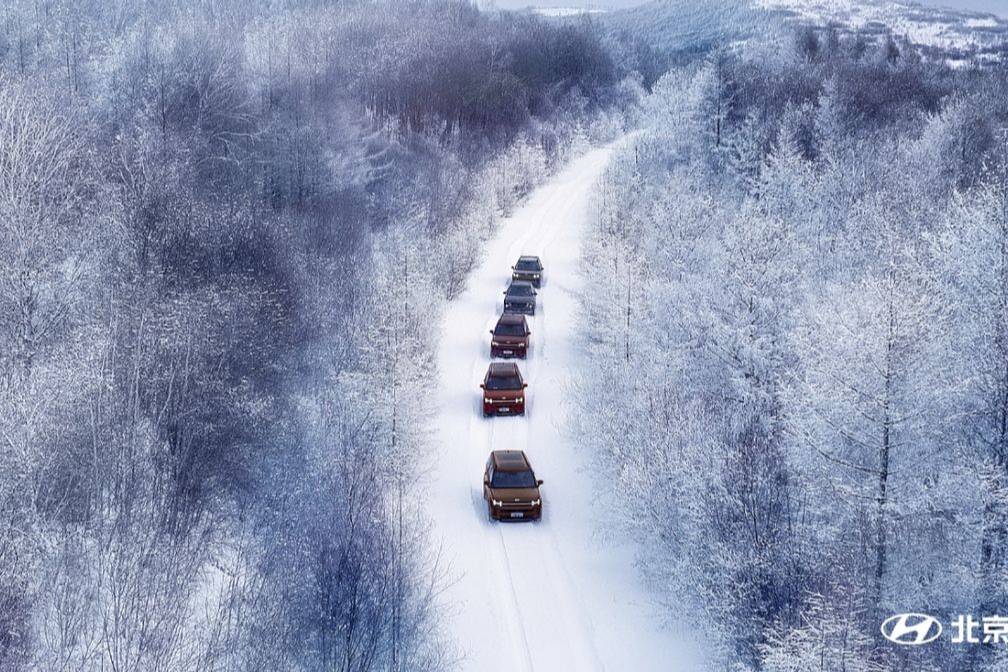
(513, 479)
(520, 290)
(510, 330)
(503, 383)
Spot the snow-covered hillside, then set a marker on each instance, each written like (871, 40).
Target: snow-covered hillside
(927, 26)
(688, 24)
(955, 36)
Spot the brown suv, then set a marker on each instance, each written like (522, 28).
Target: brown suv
(503, 390)
(510, 338)
(510, 487)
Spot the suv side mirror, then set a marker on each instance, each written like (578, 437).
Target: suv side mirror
(491, 332)
(486, 482)
(482, 386)
(539, 482)
(524, 385)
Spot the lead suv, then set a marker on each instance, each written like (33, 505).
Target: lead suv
(510, 487)
(510, 338)
(528, 268)
(503, 390)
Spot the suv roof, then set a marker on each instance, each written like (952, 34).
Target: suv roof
(511, 318)
(528, 257)
(510, 460)
(503, 369)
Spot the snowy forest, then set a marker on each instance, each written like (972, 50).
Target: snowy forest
(797, 374)
(229, 230)
(226, 230)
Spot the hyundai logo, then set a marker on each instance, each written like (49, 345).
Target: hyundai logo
(911, 629)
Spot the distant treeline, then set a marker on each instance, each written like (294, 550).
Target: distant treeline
(459, 68)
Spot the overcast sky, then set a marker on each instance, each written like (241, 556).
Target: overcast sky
(996, 6)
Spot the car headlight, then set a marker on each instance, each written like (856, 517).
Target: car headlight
(495, 343)
(487, 400)
(536, 502)
(495, 502)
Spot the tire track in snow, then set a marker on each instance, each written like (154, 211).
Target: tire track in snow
(515, 603)
(556, 553)
(574, 627)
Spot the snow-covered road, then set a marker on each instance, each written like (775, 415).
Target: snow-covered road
(549, 596)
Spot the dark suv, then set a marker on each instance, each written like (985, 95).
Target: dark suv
(529, 269)
(510, 338)
(503, 390)
(510, 487)
(520, 297)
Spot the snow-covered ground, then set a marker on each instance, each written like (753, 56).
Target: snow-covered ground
(564, 12)
(551, 596)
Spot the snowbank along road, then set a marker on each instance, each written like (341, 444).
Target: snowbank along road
(546, 596)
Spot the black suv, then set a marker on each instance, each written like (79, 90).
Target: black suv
(529, 269)
(520, 297)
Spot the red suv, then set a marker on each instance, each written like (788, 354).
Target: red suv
(510, 338)
(503, 390)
